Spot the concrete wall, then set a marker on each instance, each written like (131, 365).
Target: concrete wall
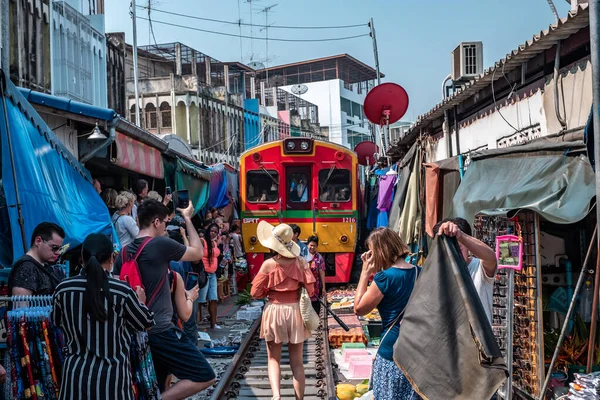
(531, 113)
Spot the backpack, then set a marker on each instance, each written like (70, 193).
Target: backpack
(130, 271)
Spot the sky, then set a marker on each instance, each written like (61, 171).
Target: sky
(414, 38)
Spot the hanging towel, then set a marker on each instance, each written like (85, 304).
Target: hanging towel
(446, 345)
(432, 197)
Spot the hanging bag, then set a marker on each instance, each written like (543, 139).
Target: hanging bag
(309, 315)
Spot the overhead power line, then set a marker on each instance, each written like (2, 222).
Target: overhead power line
(249, 37)
(240, 23)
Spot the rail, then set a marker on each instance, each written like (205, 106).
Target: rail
(246, 377)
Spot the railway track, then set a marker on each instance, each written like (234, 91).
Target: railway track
(247, 379)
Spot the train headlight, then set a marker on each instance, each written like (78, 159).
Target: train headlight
(253, 239)
(304, 145)
(344, 239)
(291, 145)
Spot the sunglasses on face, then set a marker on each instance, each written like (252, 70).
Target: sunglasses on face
(53, 247)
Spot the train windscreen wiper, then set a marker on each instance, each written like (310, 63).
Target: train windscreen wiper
(270, 176)
(328, 176)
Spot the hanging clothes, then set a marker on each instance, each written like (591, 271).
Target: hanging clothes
(432, 191)
(404, 169)
(35, 350)
(410, 218)
(372, 196)
(385, 198)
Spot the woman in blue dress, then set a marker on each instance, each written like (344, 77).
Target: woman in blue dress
(393, 282)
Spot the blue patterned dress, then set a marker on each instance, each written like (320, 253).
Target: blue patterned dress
(389, 383)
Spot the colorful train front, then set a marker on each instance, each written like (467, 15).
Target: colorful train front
(310, 183)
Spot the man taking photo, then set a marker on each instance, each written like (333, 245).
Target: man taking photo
(173, 352)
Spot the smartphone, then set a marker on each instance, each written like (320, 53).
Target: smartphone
(168, 190)
(183, 199)
(191, 281)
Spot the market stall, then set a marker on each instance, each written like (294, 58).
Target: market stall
(533, 210)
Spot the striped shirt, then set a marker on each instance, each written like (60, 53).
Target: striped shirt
(97, 357)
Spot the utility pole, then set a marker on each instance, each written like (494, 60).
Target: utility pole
(135, 65)
(267, 10)
(376, 54)
(251, 31)
(595, 59)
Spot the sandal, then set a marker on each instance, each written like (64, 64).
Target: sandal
(276, 398)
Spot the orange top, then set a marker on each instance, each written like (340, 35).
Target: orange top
(282, 283)
(210, 266)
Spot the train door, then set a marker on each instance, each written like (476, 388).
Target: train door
(298, 188)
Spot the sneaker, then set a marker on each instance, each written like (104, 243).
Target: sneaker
(217, 327)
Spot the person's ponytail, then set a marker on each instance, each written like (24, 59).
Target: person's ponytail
(97, 249)
(93, 298)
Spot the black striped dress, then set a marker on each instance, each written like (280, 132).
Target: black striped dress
(97, 359)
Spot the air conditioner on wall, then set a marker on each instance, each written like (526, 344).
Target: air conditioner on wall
(467, 61)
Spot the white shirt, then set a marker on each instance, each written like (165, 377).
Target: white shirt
(483, 284)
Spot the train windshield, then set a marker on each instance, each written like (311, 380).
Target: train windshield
(334, 185)
(262, 186)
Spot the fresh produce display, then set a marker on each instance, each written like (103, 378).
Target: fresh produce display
(334, 296)
(338, 336)
(372, 316)
(347, 391)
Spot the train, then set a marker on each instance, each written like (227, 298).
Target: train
(311, 183)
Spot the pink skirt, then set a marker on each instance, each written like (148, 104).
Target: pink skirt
(282, 323)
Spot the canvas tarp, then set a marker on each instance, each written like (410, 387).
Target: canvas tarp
(182, 174)
(446, 345)
(558, 187)
(53, 186)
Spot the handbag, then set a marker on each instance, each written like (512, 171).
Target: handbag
(309, 315)
(202, 275)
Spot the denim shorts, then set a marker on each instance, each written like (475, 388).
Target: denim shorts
(210, 290)
(174, 353)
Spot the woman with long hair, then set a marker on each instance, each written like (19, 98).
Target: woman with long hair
(211, 263)
(109, 196)
(98, 314)
(279, 279)
(393, 282)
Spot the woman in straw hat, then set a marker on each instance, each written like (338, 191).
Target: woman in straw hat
(280, 279)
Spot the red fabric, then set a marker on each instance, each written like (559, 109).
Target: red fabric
(432, 191)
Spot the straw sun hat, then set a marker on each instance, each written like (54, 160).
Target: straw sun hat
(278, 238)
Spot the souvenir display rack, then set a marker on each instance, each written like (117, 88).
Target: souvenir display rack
(528, 346)
(516, 320)
(486, 229)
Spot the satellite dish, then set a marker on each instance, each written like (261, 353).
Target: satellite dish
(386, 103)
(299, 89)
(256, 65)
(365, 151)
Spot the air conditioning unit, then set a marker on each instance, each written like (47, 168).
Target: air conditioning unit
(467, 61)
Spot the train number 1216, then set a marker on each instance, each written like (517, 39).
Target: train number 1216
(350, 220)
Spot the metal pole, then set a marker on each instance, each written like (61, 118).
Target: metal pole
(565, 326)
(592, 341)
(595, 59)
(376, 54)
(20, 219)
(135, 65)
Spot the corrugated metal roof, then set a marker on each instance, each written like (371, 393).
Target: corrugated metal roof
(540, 42)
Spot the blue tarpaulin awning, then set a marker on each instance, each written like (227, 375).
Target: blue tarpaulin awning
(53, 186)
